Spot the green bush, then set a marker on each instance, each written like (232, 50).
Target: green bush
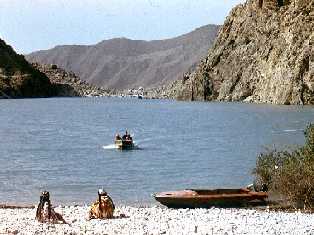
(289, 174)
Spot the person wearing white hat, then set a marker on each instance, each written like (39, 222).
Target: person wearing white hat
(103, 207)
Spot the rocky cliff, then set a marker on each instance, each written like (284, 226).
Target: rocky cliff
(67, 83)
(123, 63)
(263, 54)
(18, 78)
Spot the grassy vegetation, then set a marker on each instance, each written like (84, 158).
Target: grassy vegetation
(290, 173)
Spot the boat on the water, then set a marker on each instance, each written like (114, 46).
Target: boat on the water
(206, 198)
(125, 142)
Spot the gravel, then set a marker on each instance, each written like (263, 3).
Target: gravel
(158, 220)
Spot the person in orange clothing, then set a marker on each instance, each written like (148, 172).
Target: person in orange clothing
(103, 207)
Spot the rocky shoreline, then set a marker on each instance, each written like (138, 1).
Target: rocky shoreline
(158, 220)
(68, 84)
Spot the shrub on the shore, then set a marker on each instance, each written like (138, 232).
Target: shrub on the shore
(289, 173)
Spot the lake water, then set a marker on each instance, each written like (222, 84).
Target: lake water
(64, 145)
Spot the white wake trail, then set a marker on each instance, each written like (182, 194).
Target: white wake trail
(110, 146)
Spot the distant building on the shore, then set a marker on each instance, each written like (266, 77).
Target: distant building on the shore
(139, 92)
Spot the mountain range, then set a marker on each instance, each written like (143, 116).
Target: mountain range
(122, 63)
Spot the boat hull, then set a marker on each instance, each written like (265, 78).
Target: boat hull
(124, 144)
(196, 198)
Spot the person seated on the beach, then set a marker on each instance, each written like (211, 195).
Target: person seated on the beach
(103, 207)
(118, 137)
(45, 213)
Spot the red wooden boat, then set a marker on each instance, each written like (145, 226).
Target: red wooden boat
(206, 198)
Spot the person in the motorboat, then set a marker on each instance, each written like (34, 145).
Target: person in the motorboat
(118, 137)
(124, 137)
(128, 136)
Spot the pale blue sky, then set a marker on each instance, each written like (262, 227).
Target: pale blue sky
(30, 25)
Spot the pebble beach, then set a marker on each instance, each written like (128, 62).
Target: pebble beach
(158, 220)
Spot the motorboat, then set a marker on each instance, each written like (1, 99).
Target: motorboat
(125, 142)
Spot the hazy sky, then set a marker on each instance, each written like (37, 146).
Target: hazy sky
(30, 25)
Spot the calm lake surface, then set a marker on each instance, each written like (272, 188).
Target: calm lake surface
(64, 145)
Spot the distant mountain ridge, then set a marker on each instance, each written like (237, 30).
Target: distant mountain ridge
(123, 63)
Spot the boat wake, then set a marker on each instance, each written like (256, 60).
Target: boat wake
(143, 140)
(110, 146)
(288, 131)
(136, 147)
(292, 130)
